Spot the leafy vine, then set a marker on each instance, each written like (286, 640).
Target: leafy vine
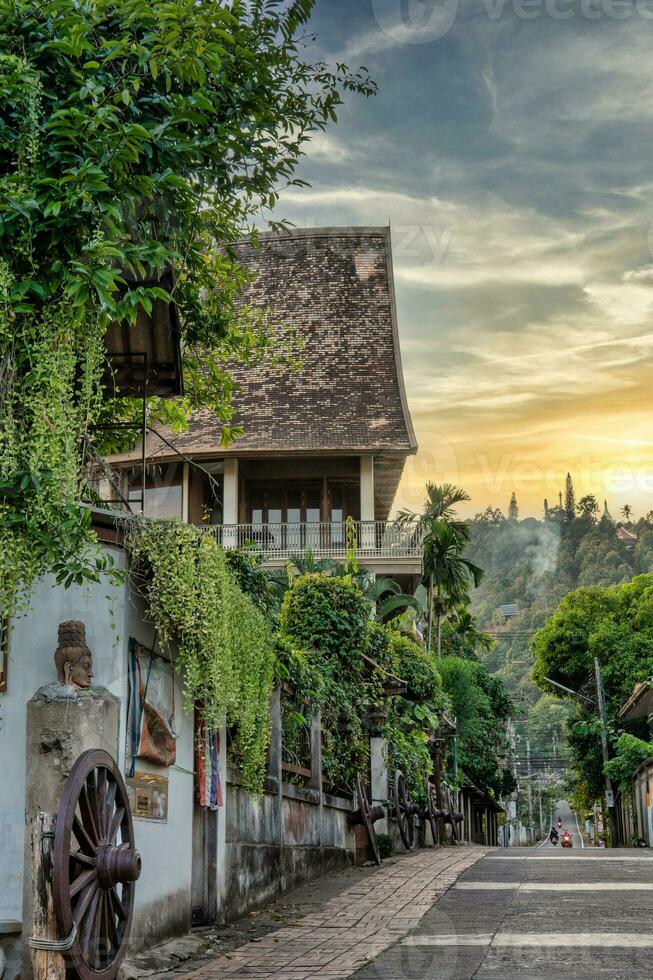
(224, 647)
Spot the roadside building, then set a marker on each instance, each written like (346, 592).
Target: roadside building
(321, 456)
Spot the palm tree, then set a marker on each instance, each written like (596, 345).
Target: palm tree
(466, 626)
(446, 574)
(387, 597)
(440, 505)
(627, 512)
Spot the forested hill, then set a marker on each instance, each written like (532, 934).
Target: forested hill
(531, 565)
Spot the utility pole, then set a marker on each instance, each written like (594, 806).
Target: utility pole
(539, 789)
(530, 790)
(609, 792)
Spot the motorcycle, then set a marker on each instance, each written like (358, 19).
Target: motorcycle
(567, 840)
(559, 823)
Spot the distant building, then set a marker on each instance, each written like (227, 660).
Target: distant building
(509, 610)
(628, 538)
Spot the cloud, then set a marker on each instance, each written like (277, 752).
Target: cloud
(512, 160)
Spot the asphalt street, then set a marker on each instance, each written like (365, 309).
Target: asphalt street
(569, 822)
(538, 912)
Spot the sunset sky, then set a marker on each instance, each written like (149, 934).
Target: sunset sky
(510, 148)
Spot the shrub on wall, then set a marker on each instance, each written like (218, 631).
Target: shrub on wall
(225, 646)
(327, 618)
(412, 715)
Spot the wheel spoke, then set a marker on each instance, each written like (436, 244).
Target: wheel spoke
(117, 905)
(111, 800)
(87, 811)
(83, 904)
(83, 839)
(82, 881)
(115, 824)
(83, 858)
(88, 926)
(112, 932)
(101, 800)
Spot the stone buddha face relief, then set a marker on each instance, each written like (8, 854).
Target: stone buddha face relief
(72, 658)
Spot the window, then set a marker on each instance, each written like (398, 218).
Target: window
(279, 514)
(344, 502)
(163, 492)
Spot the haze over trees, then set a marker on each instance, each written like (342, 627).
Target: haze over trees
(532, 565)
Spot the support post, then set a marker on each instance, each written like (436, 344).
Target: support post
(367, 537)
(609, 792)
(230, 503)
(46, 965)
(316, 752)
(379, 777)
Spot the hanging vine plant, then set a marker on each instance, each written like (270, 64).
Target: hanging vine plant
(135, 136)
(225, 649)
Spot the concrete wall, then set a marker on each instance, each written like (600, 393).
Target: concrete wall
(279, 840)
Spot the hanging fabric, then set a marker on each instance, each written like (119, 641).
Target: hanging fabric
(151, 736)
(208, 785)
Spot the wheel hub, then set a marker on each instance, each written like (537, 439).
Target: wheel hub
(117, 865)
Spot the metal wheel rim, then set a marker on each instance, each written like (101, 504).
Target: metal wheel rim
(93, 814)
(403, 812)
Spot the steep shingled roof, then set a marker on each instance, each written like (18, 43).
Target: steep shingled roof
(334, 287)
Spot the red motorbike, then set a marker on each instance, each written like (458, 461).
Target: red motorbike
(566, 840)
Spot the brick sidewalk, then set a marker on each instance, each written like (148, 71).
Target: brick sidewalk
(353, 928)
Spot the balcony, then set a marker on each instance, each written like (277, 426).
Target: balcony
(374, 541)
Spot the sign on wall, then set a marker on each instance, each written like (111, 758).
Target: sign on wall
(148, 796)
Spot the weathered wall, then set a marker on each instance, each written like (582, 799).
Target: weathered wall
(163, 891)
(280, 839)
(265, 844)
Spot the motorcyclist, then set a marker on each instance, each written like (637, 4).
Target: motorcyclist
(559, 822)
(553, 835)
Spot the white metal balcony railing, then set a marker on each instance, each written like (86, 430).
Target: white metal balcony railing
(372, 539)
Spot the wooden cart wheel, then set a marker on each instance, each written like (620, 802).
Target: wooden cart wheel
(404, 812)
(433, 814)
(367, 815)
(95, 866)
(455, 819)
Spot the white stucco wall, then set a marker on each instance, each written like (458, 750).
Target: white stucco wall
(111, 617)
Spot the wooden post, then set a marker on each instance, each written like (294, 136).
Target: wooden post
(46, 965)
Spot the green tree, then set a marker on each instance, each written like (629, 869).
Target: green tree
(570, 499)
(614, 625)
(588, 507)
(627, 513)
(513, 509)
(481, 707)
(447, 574)
(137, 137)
(441, 502)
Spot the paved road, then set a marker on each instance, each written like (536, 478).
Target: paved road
(569, 822)
(535, 912)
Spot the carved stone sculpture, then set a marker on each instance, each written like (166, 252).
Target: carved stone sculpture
(72, 658)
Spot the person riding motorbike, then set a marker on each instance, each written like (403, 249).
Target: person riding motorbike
(559, 822)
(553, 836)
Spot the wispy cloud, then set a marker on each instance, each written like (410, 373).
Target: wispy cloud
(512, 160)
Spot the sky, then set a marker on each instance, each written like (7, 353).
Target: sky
(510, 149)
